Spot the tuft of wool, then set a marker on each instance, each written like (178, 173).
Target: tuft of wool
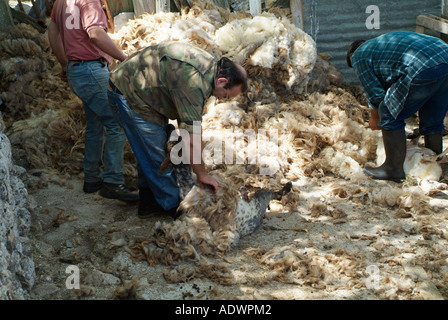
(309, 266)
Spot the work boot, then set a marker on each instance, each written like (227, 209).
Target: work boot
(91, 187)
(147, 205)
(395, 148)
(434, 142)
(118, 191)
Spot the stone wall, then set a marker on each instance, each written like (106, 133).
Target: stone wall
(17, 272)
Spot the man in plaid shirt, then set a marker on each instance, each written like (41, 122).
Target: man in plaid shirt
(402, 73)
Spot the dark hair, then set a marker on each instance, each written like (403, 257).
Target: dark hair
(229, 70)
(351, 49)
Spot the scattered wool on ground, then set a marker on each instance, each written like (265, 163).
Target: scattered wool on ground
(320, 133)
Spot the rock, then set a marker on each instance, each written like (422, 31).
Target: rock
(98, 278)
(46, 289)
(17, 274)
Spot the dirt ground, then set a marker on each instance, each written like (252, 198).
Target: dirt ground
(344, 240)
(371, 252)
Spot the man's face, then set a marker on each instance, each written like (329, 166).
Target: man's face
(223, 93)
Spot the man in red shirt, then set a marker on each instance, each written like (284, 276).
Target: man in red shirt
(79, 39)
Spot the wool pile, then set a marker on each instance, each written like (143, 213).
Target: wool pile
(295, 123)
(198, 232)
(44, 119)
(263, 139)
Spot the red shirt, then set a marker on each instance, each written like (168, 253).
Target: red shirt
(74, 18)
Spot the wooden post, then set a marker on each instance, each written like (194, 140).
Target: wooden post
(297, 13)
(36, 10)
(143, 6)
(444, 37)
(5, 14)
(49, 7)
(21, 6)
(255, 7)
(163, 6)
(110, 19)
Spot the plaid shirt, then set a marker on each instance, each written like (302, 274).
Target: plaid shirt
(386, 65)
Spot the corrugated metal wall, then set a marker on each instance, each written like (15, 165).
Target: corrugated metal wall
(335, 24)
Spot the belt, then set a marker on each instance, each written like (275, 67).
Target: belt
(102, 60)
(113, 88)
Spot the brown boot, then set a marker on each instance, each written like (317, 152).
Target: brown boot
(118, 191)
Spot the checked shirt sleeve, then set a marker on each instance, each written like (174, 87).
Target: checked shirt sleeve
(372, 86)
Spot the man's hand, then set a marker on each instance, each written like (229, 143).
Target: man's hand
(198, 167)
(64, 75)
(209, 181)
(374, 118)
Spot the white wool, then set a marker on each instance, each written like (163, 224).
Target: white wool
(416, 166)
(386, 195)
(342, 165)
(227, 114)
(231, 35)
(267, 41)
(264, 56)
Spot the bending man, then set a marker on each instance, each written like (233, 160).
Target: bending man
(402, 73)
(168, 81)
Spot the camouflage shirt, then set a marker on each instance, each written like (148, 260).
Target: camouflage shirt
(167, 81)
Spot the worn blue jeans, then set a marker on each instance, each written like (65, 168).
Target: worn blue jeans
(428, 95)
(148, 142)
(89, 81)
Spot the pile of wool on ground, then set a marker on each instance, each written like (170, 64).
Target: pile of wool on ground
(44, 119)
(295, 126)
(313, 129)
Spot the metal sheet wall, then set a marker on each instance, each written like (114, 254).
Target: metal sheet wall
(334, 25)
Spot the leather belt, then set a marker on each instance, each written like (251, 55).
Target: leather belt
(102, 60)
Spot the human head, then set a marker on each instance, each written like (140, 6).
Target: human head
(231, 79)
(351, 49)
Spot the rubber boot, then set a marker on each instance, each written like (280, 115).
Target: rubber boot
(395, 148)
(147, 205)
(434, 142)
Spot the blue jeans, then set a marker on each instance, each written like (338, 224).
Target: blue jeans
(148, 142)
(89, 81)
(428, 95)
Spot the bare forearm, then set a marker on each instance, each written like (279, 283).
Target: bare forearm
(196, 163)
(198, 166)
(374, 118)
(100, 38)
(56, 44)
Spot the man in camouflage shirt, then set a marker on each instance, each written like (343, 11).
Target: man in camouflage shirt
(168, 81)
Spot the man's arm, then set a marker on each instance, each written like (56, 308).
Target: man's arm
(56, 45)
(374, 118)
(101, 39)
(199, 168)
